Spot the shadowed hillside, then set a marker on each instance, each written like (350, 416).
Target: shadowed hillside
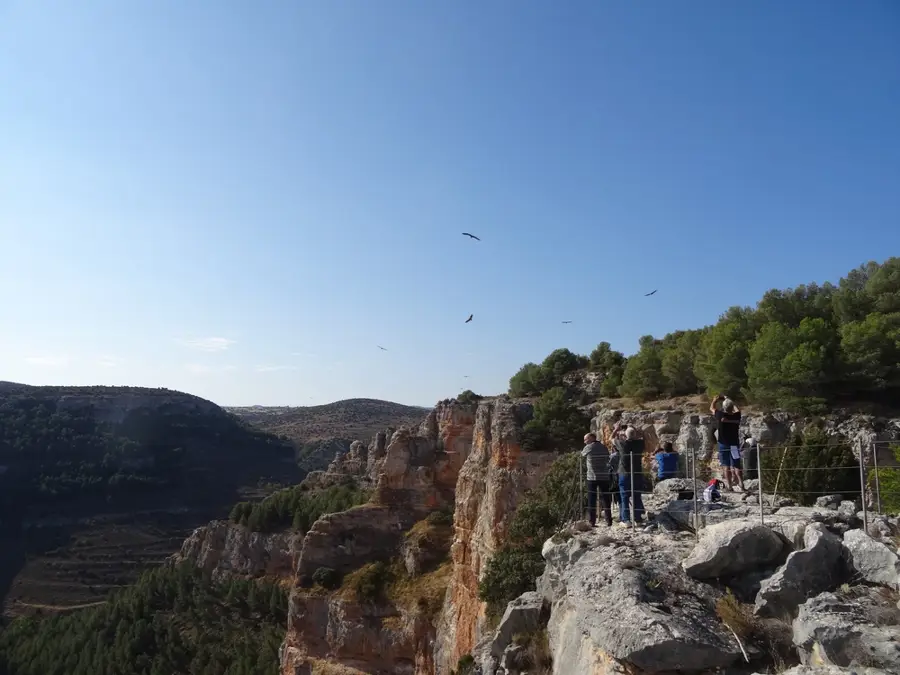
(97, 483)
(351, 419)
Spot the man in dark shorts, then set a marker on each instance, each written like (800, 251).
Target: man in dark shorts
(729, 426)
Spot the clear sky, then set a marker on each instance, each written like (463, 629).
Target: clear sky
(242, 199)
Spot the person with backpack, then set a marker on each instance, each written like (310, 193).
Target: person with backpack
(596, 459)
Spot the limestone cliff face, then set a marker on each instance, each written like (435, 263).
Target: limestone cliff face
(491, 482)
(225, 549)
(414, 472)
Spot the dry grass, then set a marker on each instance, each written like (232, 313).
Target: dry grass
(537, 658)
(423, 594)
(774, 637)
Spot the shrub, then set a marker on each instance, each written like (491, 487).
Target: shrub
(888, 484)
(370, 581)
(326, 578)
(440, 517)
(557, 424)
(510, 572)
(297, 507)
(811, 466)
(465, 665)
(469, 397)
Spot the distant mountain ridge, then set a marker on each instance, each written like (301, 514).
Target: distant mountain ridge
(350, 419)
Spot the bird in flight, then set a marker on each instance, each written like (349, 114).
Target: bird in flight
(472, 236)
(471, 316)
(650, 293)
(381, 348)
(567, 322)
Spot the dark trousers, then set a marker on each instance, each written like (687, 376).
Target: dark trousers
(625, 495)
(601, 489)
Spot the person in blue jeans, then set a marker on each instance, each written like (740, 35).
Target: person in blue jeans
(728, 435)
(666, 462)
(630, 451)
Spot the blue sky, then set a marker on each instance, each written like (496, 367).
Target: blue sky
(241, 200)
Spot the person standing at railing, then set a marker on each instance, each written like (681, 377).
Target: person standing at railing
(630, 451)
(596, 458)
(729, 437)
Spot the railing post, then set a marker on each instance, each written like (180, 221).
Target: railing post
(877, 480)
(631, 466)
(862, 488)
(694, 479)
(580, 514)
(759, 478)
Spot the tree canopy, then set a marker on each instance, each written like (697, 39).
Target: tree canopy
(799, 348)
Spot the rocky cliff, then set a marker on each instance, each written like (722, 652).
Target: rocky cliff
(463, 457)
(425, 613)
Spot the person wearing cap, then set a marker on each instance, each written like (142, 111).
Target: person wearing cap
(729, 437)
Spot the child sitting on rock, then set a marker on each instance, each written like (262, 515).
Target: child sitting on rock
(712, 493)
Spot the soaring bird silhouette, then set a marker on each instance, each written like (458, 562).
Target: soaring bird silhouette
(470, 318)
(472, 236)
(381, 348)
(646, 295)
(567, 322)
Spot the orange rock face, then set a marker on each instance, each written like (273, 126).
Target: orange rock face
(491, 482)
(457, 456)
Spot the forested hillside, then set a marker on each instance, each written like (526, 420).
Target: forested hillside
(174, 620)
(97, 483)
(800, 348)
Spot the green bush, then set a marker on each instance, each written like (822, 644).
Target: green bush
(557, 424)
(297, 507)
(440, 517)
(465, 666)
(370, 581)
(326, 578)
(812, 465)
(468, 397)
(510, 572)
(888, 484)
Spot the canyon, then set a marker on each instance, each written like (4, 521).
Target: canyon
(467, 457)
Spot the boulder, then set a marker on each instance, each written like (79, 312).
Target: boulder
(860, 627)
(733, 547)
(626, 603)
(829, 502)
(871, 559)
(522, 616)
(671, 487)
(830, 517)
(817, 568)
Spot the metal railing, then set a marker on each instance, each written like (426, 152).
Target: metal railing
(869, 475)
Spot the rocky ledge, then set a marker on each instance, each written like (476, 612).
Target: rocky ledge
(807, 586)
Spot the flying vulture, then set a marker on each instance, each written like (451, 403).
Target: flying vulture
(381, 348)
(472, 236)
(470, 318)
(567, 322)
(650, 293)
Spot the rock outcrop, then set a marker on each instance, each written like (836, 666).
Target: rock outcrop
(458, 457)
(861, 627)
(733, 547)
(493, 479)
(623, 598)
(225, 549)
(808, 572)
